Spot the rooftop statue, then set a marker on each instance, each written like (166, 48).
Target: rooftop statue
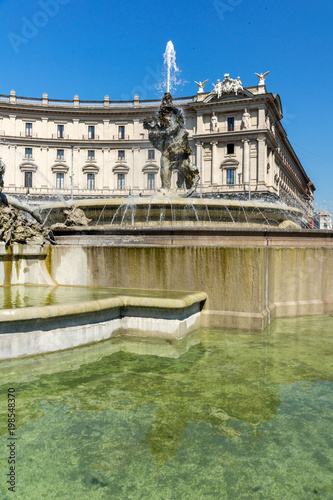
(168, 135)
(262, 78)
(201, 86)
(227, 86)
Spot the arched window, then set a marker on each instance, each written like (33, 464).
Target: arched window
(229, 169)
(151, 172)
(91, 171)
(120, 170)
(28, 169)
(60, 170)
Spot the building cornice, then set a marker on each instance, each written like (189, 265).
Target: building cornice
(82, 143)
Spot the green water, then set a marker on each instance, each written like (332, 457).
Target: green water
(17, 296)
(219, 415)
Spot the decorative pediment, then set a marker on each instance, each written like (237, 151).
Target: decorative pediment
(121, 168)
(229, 163)
(28, 166)
(90, 169)
(60, 168)
(228, 87)
(150, 168)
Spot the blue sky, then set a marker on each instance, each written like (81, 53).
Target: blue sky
(96, 48)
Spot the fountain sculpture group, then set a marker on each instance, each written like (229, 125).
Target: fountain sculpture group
(236, 281)
(166, 207)
(15, 228)
(168, 135)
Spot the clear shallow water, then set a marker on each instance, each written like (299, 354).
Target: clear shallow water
(221, 414)
(18, 296)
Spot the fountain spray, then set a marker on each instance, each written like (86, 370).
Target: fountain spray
(170, 61)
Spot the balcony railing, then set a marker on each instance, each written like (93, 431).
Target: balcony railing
(29, 136)
(45, 101)
(116, 138)
(85, 137)
(56, 136)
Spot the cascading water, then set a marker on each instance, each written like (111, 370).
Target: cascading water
(245, 217)
(122, 205)
(100, 215)
(231, 217)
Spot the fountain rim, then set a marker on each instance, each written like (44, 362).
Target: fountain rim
(89, 306)
(158, 200)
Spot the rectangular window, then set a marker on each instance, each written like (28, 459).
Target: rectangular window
(60, 154)
(151, 154)
(230, 149)
(60, 180)
(121, 132)
(231, 124)
(151, 181)
(91, 154)
(230, 176)
(28, 179)
(121, 181)
(60, 131)
(28, 129)
(28, 152)
(121, 154)
(90, 181)
(91, 132)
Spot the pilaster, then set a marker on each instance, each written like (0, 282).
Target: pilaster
(246, 155)
(106, 129)
(213, 164)
(262, 160)
(200, 128)
(262, 117)
(136, 168)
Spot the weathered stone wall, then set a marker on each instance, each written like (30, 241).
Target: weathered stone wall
(21, 264)
(247, 287)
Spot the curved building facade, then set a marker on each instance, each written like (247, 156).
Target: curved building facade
(85, 149)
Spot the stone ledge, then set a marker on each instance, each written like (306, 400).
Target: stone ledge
(35, 330)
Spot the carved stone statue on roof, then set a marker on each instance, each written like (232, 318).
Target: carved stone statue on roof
(201, 86)
(226, 87)
(262, 78)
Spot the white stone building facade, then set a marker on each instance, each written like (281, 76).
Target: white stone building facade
(323, 220)
(100, 148)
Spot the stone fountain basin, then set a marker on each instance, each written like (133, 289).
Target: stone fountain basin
(27, 331)
(163, 210)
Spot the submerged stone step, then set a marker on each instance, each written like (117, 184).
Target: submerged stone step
(26, 331)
